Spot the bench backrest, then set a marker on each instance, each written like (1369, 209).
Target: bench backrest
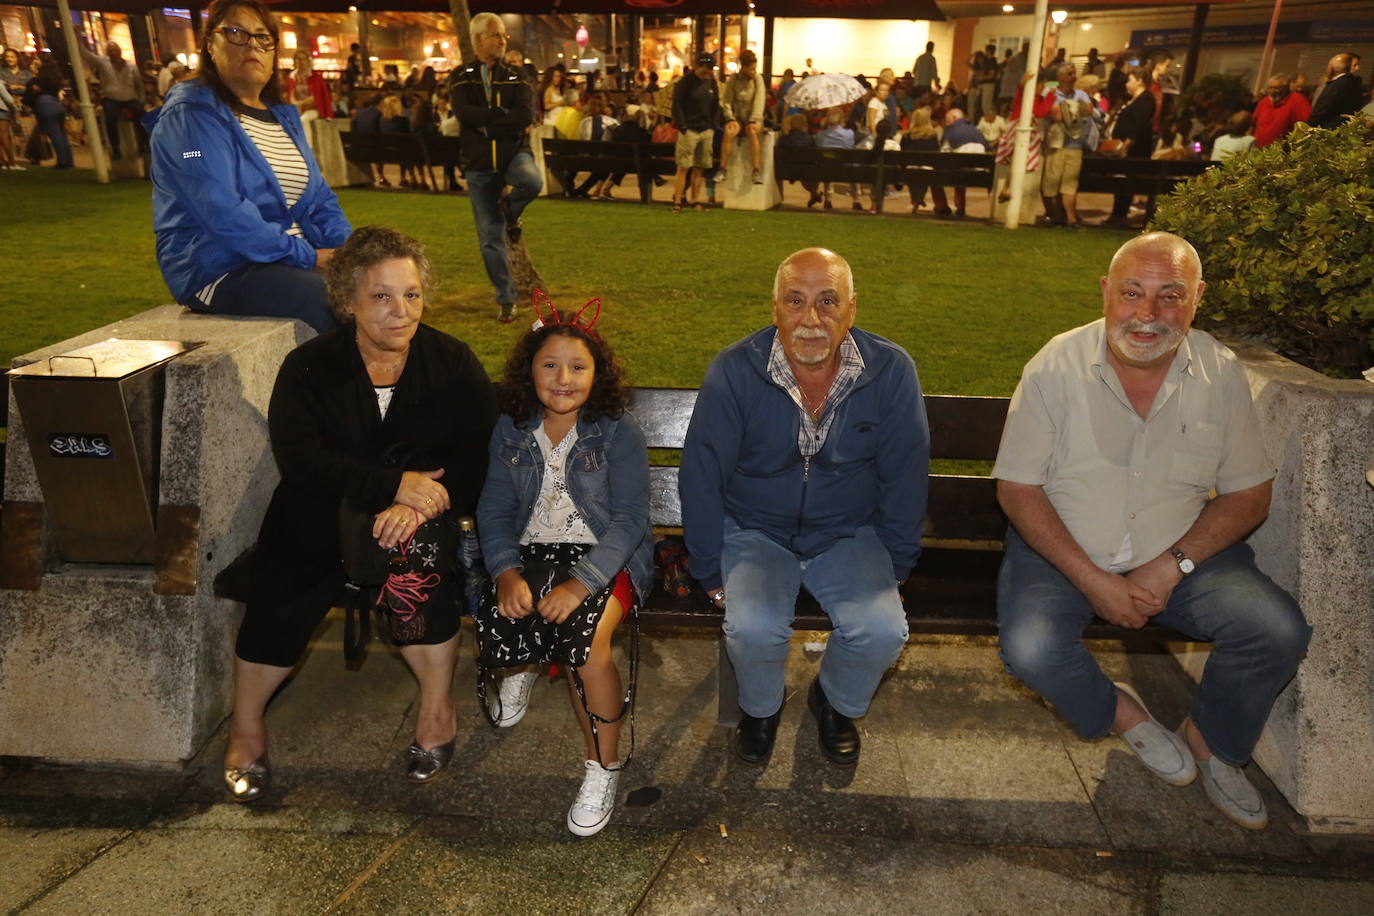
(405, 149)
(870, 166)
(961, 507)
(609, 155)
(1136, 176)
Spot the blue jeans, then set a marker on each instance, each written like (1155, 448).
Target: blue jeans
(272, 291)
(1256, 629)
(854, 585)
(51, 115)
(484, 190)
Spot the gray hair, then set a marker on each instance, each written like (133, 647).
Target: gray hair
(367, 246)
(847, 272)
(479, 24)
(1166, 242)
(1063, 68)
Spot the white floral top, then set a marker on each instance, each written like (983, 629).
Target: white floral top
(555, 519)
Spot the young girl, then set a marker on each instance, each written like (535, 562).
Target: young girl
(564, 527)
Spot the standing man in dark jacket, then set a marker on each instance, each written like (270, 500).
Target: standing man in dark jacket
(805, 464)
(1341, 95)
(696, 111)
(493, 102)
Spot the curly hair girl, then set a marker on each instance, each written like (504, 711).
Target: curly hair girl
(516, 394)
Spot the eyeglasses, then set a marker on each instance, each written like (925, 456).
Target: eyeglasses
(237, 36)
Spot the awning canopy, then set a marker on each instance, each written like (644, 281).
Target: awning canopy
(833, 9)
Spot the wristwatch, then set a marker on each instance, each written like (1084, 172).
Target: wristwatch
(1185, 565)
(716, 596)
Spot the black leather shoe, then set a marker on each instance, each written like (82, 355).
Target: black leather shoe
(754, 737)
(838, 736)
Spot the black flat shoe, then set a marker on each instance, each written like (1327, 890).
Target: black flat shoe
(838, 737)
(423, 765)
(754, 737)
(248, 784)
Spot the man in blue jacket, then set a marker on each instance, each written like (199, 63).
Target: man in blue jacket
(805, 464)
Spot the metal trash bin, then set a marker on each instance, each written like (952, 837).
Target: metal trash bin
(93, 418)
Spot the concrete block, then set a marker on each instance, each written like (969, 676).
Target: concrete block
(93, 665)
(553, 182)
(1030, 197)
(1318, 543)
(739, 189)
(323, 136)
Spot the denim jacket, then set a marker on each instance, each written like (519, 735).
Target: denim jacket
(608, 480)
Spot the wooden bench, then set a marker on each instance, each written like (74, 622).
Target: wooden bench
(884, 167)
(646, 161)
(384, 149)
(1152, 177)
(953, 589)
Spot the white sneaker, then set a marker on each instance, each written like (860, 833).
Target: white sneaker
(1232, 793)
(1164, 753)
(595, 800)
(512, 698)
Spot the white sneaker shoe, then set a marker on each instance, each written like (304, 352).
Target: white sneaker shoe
(1232, 793)
(512, 698)
(595, 800)
(1164, 753)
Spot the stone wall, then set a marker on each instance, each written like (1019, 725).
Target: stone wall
(1318, 543)
(94, 665)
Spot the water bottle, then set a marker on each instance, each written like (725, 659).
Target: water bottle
(470, 555)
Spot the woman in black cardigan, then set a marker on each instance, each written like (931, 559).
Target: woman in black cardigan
(388, 419)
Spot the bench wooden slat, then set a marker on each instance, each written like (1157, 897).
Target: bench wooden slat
(405, 149)
(965, 427)
(664, 413)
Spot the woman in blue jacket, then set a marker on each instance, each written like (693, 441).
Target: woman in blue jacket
(244, 220)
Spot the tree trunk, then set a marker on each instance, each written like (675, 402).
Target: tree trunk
(522, 272)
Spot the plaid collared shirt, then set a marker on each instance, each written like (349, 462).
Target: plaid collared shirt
(811, 435)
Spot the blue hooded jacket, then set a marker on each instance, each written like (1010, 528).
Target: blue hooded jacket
(216, 202)
(741, 459)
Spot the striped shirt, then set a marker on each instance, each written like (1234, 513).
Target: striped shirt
(286, 161)
(811, 435)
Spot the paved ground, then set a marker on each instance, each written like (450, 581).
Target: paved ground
(971, 797)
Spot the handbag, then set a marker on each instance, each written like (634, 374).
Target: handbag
(391, 583)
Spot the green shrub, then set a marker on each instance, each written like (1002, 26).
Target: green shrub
(1286, 236)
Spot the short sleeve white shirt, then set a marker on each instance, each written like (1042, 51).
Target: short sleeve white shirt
(1127, 487)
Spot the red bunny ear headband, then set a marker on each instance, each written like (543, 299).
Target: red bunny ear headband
(555, 318)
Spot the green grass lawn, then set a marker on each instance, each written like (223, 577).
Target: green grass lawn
(971, 302)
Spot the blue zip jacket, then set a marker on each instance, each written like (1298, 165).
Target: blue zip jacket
(741, 459)
(216, 202)
(608, 479)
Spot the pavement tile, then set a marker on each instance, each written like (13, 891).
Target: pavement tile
(936, 686)
(1262, 895)
(1140, 812)
(33, 859)
(474, 865)
(231, 816)
(226, 871)
(331, 730)
(998, 788)
(782, 873)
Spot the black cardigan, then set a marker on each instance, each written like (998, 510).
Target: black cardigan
(331, 443)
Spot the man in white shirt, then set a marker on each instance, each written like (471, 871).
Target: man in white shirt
(1117, 436)
(121, 90)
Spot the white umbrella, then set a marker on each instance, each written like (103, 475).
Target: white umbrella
(825, 90)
